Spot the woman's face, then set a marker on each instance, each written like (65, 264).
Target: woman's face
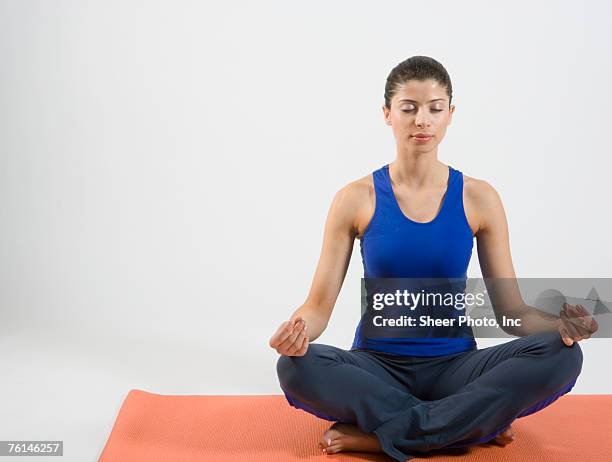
(419, 107)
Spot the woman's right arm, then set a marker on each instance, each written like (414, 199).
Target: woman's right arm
(338, 238)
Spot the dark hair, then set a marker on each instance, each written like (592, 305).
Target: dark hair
(417, 68)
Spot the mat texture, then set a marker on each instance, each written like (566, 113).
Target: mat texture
(189, 428)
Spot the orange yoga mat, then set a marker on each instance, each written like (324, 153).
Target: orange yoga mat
(253, 428)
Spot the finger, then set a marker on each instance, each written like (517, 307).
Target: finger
(570, 311)
(594, 326)
(285, 330)
(579, 316)
(294, 349)
(304, 347)
(297, 323)
(565, 336)
(285, 344)
(584, 327)
(289, 341)
(569, 324)
(577, 331)
(297, 344)
(570, 327)
(589, 321)
(276, 339)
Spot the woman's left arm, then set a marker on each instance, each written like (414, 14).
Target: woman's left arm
(574, 323)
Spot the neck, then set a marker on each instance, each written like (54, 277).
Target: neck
(418, 170)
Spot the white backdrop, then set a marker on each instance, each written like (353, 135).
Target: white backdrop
(167, 168)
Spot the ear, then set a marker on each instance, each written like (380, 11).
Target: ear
(386, 113)
(451, 112)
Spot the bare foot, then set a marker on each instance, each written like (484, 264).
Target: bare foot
(505, 437)
(346, 437)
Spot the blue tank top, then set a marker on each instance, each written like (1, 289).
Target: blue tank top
(394, 246)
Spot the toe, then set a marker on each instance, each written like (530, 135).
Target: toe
(329, 436)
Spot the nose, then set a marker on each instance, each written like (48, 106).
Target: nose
(421, 119)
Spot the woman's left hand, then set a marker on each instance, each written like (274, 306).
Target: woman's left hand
(575, 324)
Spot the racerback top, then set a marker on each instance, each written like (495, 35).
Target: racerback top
(394, 246)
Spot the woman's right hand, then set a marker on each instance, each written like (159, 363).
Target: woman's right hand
(290, 338)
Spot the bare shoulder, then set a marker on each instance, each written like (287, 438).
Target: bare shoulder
(479, 190)
(356, 201)
(482, 202)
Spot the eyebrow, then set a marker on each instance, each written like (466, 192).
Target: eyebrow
(430, 101)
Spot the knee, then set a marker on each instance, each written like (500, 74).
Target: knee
(551, 345)
(286, 369)
(293, 372)
(572, 359)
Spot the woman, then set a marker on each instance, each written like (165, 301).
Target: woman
(408, 396)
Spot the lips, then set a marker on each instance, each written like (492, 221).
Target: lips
(422, 135)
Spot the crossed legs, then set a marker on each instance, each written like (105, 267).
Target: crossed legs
(462, 400)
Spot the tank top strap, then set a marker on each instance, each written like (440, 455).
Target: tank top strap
(384, 193)
(454, 185)
(454, 193)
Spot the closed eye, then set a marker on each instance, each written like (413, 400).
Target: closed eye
(410, 110)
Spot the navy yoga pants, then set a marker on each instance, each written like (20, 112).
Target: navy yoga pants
(416, 405)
